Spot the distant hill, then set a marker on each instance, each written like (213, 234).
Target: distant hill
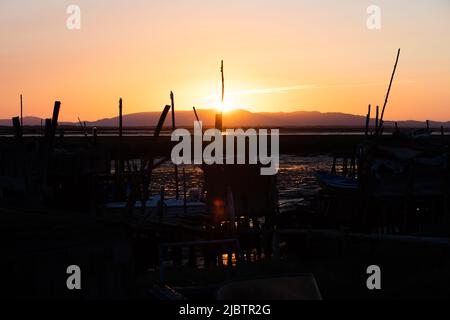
(29, 121)
(239, 118)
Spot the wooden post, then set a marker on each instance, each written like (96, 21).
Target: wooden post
(56, 108)
(83, 126)
(218, 124)
(195, 112)
(220, 116)
(120, 118)
(172, 103)
(94, 135)
(223, 80)
(162, 118)
(21, 111)
(376, 120)
(223, 94)
(54, 120)
(121, 165)
(367, 122)
(48, 128)
(17, 127)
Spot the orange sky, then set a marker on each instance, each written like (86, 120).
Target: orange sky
(280, 55)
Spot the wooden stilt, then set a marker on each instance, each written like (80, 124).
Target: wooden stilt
(21, 111)
(120, 137)
(172, 102)
(376, 120)
(366, 131)
(17, 128)
(195, 112)
(56, 109)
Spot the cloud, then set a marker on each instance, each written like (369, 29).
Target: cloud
(288, 89)
(367, 84)
(262, 91)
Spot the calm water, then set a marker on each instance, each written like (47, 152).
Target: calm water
(297, 184)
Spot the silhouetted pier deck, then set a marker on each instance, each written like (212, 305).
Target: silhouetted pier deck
(135, 146)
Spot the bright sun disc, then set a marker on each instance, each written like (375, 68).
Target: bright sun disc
(224, 107)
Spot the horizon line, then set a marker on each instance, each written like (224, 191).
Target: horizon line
(75, 121)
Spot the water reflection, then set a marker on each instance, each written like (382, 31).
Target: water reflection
(297, 185)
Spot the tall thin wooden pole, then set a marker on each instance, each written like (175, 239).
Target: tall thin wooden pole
(223, 81)
(376, 120)
(389, 88)
(120, 118)
(172, 103)
(21, 111)
(366, 132)
(219, 115)
(120, 162)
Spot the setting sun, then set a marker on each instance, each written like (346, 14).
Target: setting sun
(225, 107)
(228, 104)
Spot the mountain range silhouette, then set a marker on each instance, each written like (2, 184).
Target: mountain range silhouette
(239, 118)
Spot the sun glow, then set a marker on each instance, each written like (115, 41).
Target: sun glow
(225, 106)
